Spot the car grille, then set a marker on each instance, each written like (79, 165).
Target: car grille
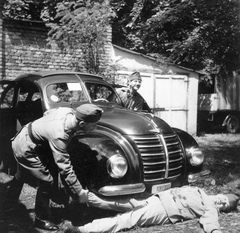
(162, 156)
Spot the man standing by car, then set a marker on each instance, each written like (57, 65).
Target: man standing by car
(31, 146)
(129, 95)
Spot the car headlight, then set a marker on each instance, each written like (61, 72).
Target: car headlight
(195, 156)
(117, 166)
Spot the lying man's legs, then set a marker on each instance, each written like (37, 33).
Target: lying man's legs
(119, 205)
(151, 214)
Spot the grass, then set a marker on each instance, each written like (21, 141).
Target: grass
(222, 158)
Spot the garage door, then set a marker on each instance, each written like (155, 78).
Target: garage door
(171, 92)
(165, 94)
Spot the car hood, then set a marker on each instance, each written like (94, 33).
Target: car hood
(132, 122)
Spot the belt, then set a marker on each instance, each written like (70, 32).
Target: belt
(30, 134)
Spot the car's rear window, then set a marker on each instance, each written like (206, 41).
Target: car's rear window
(66, 92)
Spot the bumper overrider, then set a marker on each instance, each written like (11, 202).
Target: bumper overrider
(117, 190)
(198, 176)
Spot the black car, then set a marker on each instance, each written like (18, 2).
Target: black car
(128, 153)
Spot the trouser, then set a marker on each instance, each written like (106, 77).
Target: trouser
(153, 213)
(13, 193)
(30, 164)
(42, 209)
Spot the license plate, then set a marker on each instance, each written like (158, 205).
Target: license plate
(160, 187)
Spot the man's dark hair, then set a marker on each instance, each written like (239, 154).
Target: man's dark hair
(233, 202)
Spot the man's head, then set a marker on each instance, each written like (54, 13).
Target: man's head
(135, 81)
(226, 202)
(88, 116)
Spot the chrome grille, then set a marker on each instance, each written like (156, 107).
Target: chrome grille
(161, 155)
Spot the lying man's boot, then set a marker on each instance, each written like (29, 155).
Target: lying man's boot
(67, 227)
(45, 224)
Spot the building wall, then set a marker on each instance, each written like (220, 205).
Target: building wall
(24, 49)
(1, 39)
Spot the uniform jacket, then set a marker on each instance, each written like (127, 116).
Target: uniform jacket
(134, 102)
(189, 203)
(51, 128)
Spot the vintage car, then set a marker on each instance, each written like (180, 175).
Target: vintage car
(128, 153)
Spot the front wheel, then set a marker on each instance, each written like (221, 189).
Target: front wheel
(232, 124)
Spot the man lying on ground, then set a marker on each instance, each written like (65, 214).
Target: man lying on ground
(170, 206)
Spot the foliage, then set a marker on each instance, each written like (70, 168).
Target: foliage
(199, 34)
(22, 9)
(80, 28)
(30, 9)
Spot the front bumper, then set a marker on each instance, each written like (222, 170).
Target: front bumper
(197, 176)
(118, 190)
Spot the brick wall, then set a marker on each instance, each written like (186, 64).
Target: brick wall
(1, 41)
(24, 49)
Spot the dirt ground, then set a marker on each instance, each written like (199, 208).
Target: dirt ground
(222, 158)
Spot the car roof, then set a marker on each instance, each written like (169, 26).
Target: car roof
(42, 74)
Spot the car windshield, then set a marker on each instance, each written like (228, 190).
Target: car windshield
(101, 92)
(66, 92)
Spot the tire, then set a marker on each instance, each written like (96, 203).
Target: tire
(232, 124)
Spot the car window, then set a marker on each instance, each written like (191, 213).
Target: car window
(6, 95)
(23, 96)
(101, 92)
(36, 96)
(29, 106)
(66, 92)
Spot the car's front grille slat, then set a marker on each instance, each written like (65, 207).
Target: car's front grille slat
(161, 155)
(151, 154)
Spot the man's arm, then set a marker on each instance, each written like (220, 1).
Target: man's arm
(62, 159)
(209, 220)
(117, 204)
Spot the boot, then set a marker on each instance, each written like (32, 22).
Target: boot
(12, 195)
(42, 211)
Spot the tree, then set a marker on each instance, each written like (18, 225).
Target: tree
(80, 28)
(199, 34)
(22, 9)
(77, 27)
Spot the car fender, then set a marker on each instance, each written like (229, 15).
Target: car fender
(186, 139)
(90, 153)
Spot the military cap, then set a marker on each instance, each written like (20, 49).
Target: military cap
(134, 76)
(89, 113)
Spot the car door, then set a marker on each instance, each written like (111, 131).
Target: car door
(8, 97)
